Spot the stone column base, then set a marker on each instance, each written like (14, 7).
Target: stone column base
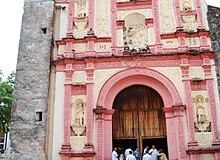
(216, 142)
(65, 147)
(192, 144)
(89, 148)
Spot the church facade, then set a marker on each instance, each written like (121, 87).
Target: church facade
(128, 73)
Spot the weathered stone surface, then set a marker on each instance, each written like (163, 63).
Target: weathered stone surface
(28, 136)
(214, 25)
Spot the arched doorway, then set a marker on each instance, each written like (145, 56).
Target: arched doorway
(144, 77)
(139, 119)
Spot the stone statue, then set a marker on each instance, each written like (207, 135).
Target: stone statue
(186, 5)
(79, 114)
(200, 109)
(81, 8)
(202, 124)
(78, 124)
(136, 36)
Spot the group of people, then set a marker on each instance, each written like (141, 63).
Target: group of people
(148, 154)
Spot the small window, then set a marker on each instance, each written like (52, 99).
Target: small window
(44, 30)
(39, 116)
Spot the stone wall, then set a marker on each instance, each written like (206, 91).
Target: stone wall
(214, 25)
(28, 133)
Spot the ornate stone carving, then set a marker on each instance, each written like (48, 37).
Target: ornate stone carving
(190, 23)
(136, 36)
(78, 119)
(202, 124)
(80, 28)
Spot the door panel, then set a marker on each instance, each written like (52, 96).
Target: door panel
(138, 114)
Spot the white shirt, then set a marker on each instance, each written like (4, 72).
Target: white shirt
(114, 155)
(130, 157)
(146, 157)
(127, 152)
(121, 157)
(154, 154)
(145, 150)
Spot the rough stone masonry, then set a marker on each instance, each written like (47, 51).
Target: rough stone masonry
(28, 132)
(214, 26)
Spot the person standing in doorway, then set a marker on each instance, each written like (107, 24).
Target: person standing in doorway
(147, 155)
(146, 150)
(155, 153)
(114, 154)
(130, 156)
(127, 152)
(137, 154)
(121, 157)
(162, 155)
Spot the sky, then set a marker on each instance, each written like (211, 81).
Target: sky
(11, 16)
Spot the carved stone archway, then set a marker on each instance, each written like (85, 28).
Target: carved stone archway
(146, 77)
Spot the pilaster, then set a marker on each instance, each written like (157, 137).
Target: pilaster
(67, 107)
(103, 122)
(113, 26)
(212, 104)
(188, 98)
(158, 45)
(199, 13)
(91, 14)
(203, 37)
(174, 122)
(178, 114)
(177, 14)
(182, 40)
(68, 52)
(100, 129)
(89, 106)
(70, 20)
(90, 38)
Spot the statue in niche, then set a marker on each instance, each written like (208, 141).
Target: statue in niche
(79, 116)
(200, 109)
(186, 5)
(201, 122)
(78, 123)
(81, 8)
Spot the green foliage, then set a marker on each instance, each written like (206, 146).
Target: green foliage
(10, 79)
(6, 90)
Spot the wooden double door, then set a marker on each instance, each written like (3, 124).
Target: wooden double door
(138, 119)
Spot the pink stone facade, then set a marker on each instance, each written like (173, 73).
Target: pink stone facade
(179, 65)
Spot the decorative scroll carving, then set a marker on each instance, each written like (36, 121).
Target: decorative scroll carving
(80, 28)
(202, 124)
(190, 23)
(78, 119)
